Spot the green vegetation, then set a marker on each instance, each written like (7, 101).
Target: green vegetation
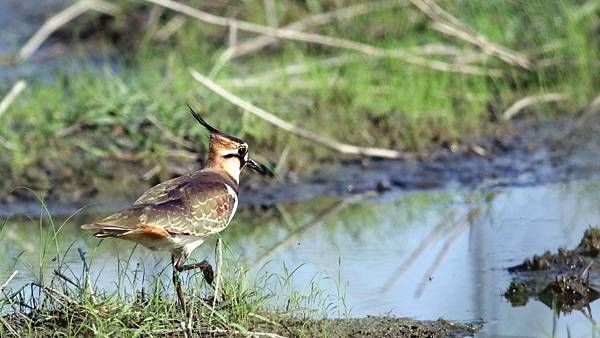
(132, 111)
(70, 295)
(112, 288)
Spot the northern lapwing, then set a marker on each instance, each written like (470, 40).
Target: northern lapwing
(179, 214)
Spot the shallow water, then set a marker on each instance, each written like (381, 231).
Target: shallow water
(367, 251)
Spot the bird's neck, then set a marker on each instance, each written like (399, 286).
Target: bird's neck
(231, 168)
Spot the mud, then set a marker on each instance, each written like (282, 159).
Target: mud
(583, 257)
(382, 327)
(524, 153)
(563, 281)
(564, 295)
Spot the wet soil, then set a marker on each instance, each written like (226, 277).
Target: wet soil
(382, 327)
(583, 258)
(564, 281)
(527, 152)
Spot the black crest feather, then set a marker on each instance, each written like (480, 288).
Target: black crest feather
(202, 122)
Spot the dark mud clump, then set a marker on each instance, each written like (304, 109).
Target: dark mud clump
(584, 256)
(590, 243)
(383, 327)
(564, 294)
(560, 280)
(568, 293)
(517, 293)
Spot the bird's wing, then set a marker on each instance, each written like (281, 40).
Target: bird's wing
(165, 191)
(208, 207)
(201, 209)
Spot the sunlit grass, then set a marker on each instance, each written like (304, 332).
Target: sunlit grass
(65, 296)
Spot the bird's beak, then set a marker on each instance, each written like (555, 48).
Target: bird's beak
(259, 168)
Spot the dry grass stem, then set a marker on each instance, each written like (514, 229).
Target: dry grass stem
(295, 69)
(62, 18)
(458, 55)
(303, 133)
(337, 61)
(271, 13)
(530, 100)
(170, 28)
(168, 134)
(14, 92)
(218, 272)
(230, 332)
(233, 36)
(450, 25)
(592, 109)
(317, 20)
(323, 40)
(221, 61)
(8, 326)
(12, 276)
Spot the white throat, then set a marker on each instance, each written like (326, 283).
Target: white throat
(233, 169)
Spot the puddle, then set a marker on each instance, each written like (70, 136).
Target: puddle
(424, 255)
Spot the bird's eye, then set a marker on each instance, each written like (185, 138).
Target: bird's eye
(242, 151)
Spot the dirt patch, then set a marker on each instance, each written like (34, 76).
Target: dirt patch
(383, 327)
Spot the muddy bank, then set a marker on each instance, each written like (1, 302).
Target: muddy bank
(524, 153)
(565, 281)
(384, 327)
(353, 327)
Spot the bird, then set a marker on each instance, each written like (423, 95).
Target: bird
(178, 215)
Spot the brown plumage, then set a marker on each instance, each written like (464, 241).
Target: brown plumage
(176, 215)
(179, 214)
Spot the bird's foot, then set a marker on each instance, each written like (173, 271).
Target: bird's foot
(206, 268)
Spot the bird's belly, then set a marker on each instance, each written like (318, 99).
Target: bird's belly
(174, 243)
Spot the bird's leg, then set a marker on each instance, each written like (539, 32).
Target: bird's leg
(206, 268)
(177, 283)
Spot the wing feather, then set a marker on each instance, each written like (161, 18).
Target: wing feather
(164, 191)
(195, 208)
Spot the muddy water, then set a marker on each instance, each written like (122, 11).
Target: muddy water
(420, 254)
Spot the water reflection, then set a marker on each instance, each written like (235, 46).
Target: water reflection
(425, 254)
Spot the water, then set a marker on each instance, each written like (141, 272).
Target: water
(367, 252)
(19, 21)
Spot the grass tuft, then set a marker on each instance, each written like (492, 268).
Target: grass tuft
(66, 295)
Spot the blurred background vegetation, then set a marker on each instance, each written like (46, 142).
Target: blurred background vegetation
(117, 106)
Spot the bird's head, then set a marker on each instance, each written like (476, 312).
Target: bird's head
(228, 153)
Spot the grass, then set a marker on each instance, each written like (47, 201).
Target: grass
(79, 123)
(116, 289)
(68, 297)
